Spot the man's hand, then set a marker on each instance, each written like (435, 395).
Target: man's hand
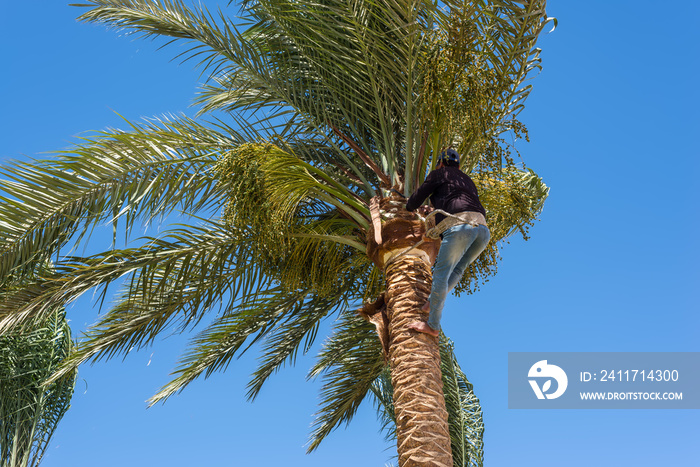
(425, 210)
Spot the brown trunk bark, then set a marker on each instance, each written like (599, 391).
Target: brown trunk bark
(423, 436)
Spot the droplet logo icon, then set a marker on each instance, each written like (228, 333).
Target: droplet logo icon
(541, 370)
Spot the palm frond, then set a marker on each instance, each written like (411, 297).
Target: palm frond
(212, 38)
(465, 415)
(30, 409)
(213, 348)
(250, 74)
(356, 58)
(508, 36)
(265, 182)
(351, 360)
(285, 341)
(195, 266)
(475, 86)
(145, 173)
(383, 392)
(398, 79)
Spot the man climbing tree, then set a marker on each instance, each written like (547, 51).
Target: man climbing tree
(464, 234)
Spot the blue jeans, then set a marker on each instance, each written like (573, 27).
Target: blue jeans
(460, 246)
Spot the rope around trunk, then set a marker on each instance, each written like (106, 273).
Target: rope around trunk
(432, 234)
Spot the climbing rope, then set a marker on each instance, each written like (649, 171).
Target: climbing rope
(432, 234)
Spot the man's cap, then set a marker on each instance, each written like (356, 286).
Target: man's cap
(449, 155)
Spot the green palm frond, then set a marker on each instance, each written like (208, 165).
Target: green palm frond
(146, 173)
(465, 415)
(325, 260)
(509, 34)
(358, 60)
(292, 175)
(211, 39)
(213, 348)
(29, 408)
(173, 282)
(285, 341)
(349, 363)
(391, 76)
(285, 322)
(192, 268)
(253, 72)
(475, 83)
(383, 393)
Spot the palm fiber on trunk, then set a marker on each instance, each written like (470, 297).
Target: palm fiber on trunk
(422, 430)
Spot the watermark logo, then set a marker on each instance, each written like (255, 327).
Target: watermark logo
(543, 370)
(603, 380)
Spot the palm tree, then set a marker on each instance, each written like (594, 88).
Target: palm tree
(327, 113)
(29, 409)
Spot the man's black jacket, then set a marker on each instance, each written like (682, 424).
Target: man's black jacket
(449, 189)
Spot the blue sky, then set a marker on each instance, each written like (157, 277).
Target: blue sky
(611, 266)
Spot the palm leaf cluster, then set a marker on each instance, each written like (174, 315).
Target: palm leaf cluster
(318, 106)
(29, 409)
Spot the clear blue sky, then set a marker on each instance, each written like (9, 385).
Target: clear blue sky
(612, 266)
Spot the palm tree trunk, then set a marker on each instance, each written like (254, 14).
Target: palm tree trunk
(422, 430)
(423, 437)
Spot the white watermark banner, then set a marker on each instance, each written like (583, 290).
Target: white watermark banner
(604, 380)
